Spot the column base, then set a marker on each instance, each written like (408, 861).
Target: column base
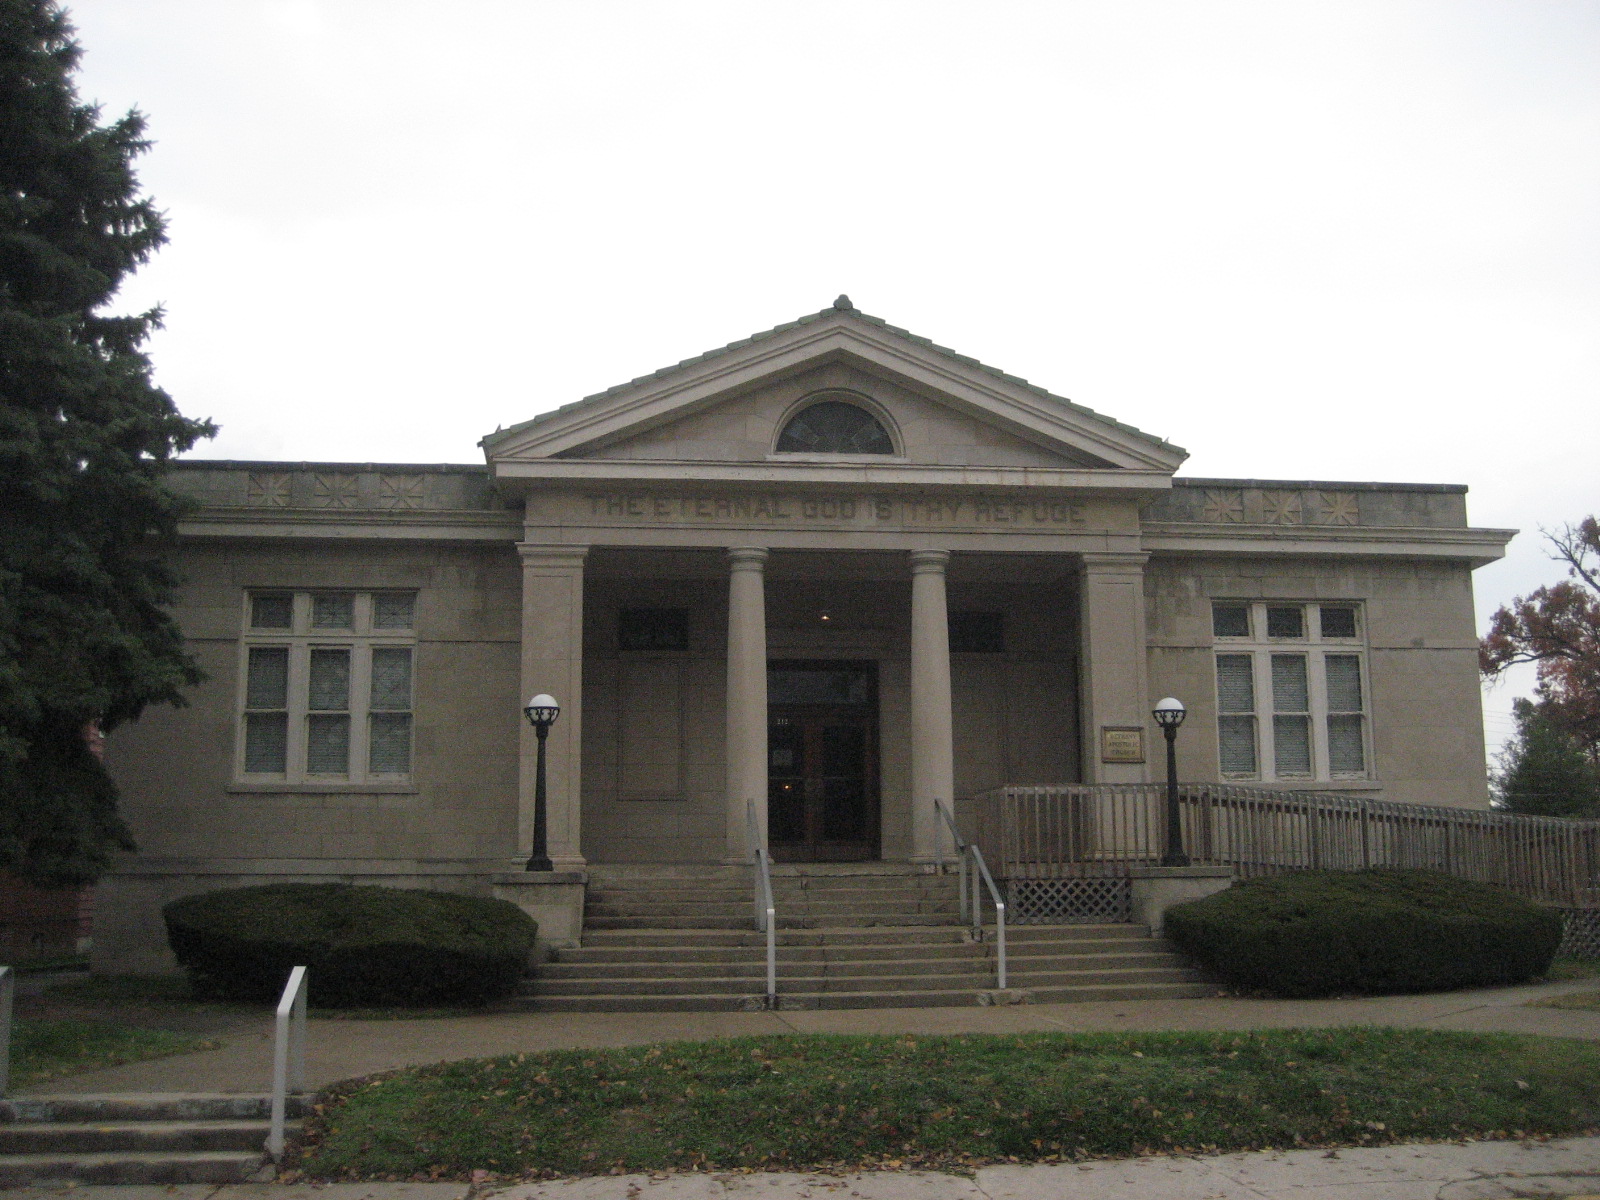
(552, 898)
(1156, 889)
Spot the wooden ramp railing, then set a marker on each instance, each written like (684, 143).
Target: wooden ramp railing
(1105, 830)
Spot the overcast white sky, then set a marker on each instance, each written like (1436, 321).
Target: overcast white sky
(1329, 240)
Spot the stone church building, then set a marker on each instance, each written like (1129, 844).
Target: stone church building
(832, 569)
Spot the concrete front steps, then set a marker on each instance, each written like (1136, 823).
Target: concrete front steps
(1057, 964)
(159, 1138)
(870, 935)
(817, 896)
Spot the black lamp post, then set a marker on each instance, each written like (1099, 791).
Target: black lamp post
(542, 712)
(1169, 714)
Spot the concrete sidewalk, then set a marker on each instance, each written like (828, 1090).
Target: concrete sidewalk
(347, 1049)
(1444, 1171)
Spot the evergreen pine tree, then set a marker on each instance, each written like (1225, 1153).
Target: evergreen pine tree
(85, 436)
(1544, 771)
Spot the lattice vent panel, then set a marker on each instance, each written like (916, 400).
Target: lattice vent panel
(1581, 938)
(1068, 901)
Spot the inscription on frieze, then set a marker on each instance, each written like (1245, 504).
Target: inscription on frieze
(783, 507)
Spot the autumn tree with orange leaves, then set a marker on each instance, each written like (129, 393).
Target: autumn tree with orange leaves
(1558, 629)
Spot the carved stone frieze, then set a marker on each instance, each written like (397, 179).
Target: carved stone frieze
(1224, 506)
(268, 489)
(333, 491)
(1281, 508)
(402, 491)
(1338, 508)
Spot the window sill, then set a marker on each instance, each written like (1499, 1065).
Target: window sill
(276, 787)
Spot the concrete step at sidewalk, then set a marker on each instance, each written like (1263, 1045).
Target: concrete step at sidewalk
(789, 888)
(213, 1166)
(744, 921)
(743, 910)
(756, 952)
(565, 968)
(740, 881)
(591, 924)
(1071, 933)
(1035, 981)
(602, 978)
(878, 935)
(136, 1138)
(861, 920)
(1041, 963)
(146, 1106)
(1041, 946)
(949, 982)
(73, 1138)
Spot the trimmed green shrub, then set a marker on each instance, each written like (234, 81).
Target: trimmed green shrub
(365, 946)
(1316, 933)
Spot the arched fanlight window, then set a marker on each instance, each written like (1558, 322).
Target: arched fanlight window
(834, 427)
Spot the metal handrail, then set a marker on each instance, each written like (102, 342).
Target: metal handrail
(766, 911)
(288, 1055)
(970, 909)
(8, 992)
(961, 855)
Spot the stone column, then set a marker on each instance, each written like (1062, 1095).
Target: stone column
(1112, 662)
(747, 695)
(932, 745)
(552, 661)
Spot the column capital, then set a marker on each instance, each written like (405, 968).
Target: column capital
(747, 558)
(552, 554)
(929, 562)
(1111, 562)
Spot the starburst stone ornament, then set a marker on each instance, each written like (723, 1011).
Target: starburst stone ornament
(1225, 507)
(266, 490)
(1338, 508)
(1281, 508)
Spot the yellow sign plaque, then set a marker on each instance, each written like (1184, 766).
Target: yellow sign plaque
(1121, 744)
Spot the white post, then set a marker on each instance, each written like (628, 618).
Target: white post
(288, 1055)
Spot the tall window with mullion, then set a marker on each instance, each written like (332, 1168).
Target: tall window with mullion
(328, 718)
(389, 750)
(1291, 716)
(327, 688)
(1290, 695)
(1236, 713)
(1346, 739)
(266, 717)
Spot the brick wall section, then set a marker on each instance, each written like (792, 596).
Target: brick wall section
(42, 922)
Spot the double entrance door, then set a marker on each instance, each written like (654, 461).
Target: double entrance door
(822, 761)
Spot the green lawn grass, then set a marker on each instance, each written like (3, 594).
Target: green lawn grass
(1574, 968)
(802, 1102)
(43, 1050)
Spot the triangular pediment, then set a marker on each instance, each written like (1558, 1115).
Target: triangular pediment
(727, 406)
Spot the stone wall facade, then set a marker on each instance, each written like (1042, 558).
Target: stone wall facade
(1008, 580)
